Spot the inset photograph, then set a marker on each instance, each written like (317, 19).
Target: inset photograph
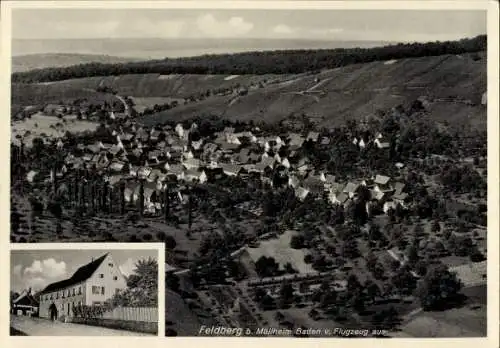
(84, 292)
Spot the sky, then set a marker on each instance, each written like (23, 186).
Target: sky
(39, 268)
(348, 25)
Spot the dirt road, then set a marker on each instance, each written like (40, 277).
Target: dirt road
(44, 327)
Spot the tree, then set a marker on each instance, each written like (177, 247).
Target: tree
(286, 293)
(350, 249)
(141, 197)
(328, 298)
(170, 242)
(172, 282)
(122, 198)
(142, 286)
(266, 266)
(404, 281)
(439, 288)
(436, 227)
(297, 242)
(412, 253)
(372, 290)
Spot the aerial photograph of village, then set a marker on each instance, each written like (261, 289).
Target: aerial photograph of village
(311, 173)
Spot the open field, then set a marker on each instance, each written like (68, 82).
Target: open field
(142, 103)
(156, 85)
(279, 248)
(178, 316)
(23, 95)
(461, 322)
(466, 321)
(51, 126)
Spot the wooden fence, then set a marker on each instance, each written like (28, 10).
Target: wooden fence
(145, 314)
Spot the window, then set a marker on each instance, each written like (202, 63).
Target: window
(101, 275)
(95, 290)
(110, 264)
(74, 291)
(57, 294)
(117, 291)
(51, 296)
(79, 290)
(102, 290)
(115, 278)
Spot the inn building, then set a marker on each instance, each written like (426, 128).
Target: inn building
(91, 284)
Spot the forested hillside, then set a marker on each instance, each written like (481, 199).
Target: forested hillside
(272, 62)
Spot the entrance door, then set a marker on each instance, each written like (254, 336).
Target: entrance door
(53, 312)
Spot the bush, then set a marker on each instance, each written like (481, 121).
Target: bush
(133, 239)
(170, 332)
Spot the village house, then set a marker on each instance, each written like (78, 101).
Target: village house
(285, 163)
(382, 183)
(92, 284)
(232, 139)
(195, 176)
(230, 169)
(191, 163)
(25, 304)
(295, 141)
(312, 136)
(351, 189)
(177, 171)
(301, 193)
(119, 167)
(400, 197)
(381, 142)
(179, 130)
(197, 145)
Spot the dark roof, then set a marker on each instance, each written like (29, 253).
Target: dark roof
(83, 273)
(26, 299)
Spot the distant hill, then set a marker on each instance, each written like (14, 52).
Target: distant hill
(157, 48)
(59, 60)
(258, 62)
(453, 84)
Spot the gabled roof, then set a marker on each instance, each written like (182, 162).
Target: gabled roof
(230, 168)
(301, 193)
(400, 196)
(194, 172)
(399, 187)
(191, 162)
(313, 136)
(83, 273)
(26, 299)
(350, 187)
(295, 139)
(268, 161)
(325, 141)
(342, 197)
(381, 179)
(376, 195)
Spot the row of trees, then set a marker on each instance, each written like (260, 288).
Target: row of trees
(274, 62)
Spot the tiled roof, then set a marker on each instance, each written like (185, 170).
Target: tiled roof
(83, 273)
